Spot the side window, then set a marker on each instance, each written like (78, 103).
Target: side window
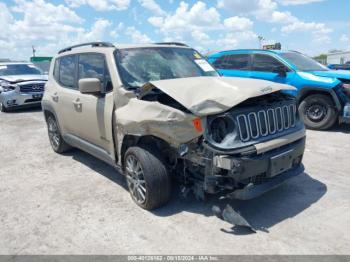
(56, 70)
(238, 62)
(265, 63)
(220, 62)
(94, 66)
(67, 71)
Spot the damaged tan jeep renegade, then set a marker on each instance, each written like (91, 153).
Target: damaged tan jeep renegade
(160, 111)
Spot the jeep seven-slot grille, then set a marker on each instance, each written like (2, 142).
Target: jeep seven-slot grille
(32, 88)
(253, 125)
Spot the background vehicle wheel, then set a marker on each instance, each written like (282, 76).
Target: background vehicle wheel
(147, 178)
(3, 108)
(57, 143)
(318, 112)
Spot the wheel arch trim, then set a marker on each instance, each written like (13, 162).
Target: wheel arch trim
(305, 91)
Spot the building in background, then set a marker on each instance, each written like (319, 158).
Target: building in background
(338, 58)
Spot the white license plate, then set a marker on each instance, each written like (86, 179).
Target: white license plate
(281, 163)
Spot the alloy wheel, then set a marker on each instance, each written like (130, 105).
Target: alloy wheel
(135, 179)
(54, 134)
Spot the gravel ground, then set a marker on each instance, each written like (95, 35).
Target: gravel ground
(76, 204)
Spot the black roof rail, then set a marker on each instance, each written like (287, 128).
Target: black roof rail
(92, 44)
(171, 43)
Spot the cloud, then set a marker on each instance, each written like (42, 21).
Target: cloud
(187, 19)
(298, 2)
(136, 36)
(344, 38)
(152, 6)
(47, 26)
(43, 13)
(237, 23)
(101, 5)
(197, 23)
(267, 11)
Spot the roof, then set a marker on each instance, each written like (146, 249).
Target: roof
(339, 53)
(105, 47)
(256, 50)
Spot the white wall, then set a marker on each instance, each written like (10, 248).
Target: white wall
(339, 58)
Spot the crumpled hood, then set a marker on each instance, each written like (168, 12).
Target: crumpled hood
(212, 95)
(342, 74)
(21, 78)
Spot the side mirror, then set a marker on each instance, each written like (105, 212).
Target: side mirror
(281, 71)
(90, 86)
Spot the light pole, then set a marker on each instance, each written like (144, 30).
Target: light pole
(261, 38)
(33, 48)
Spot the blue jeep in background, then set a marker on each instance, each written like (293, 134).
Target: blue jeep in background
(323, 94)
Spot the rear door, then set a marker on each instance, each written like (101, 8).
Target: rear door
(265, 67)
(236, 65)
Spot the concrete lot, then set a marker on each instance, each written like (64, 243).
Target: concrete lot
(76, 204)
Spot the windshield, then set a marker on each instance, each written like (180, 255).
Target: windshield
(138, 66)
(303, 62)
(19, 69)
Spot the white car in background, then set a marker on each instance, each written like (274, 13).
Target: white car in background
(21, 85)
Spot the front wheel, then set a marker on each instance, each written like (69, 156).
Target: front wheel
(147, 178)
(318, 112)
(3, 108)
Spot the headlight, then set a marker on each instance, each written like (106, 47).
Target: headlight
(222, 130)
(5, 86)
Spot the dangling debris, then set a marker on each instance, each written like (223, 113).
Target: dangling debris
(231, 216)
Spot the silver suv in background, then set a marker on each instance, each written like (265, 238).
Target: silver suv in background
(161, 111)
(21, 85)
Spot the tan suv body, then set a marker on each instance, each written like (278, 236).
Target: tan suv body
(161, 111)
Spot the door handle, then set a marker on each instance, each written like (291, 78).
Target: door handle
(77, 103)
(55, 97)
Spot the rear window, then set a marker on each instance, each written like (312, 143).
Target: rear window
(233, 62)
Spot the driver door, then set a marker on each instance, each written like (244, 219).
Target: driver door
(92, 113)
(265, 67)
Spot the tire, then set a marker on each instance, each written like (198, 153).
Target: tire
(318, 112)
(3, 108)
(57, 143)
(148, 180)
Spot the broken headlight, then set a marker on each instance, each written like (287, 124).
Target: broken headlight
(5, 86)
(222, 131)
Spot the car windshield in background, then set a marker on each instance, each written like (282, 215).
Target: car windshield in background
(138, 66)
(303, 63)
(19, 69)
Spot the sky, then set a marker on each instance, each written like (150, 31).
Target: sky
(309, 26)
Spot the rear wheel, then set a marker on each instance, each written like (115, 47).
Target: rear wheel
(57, 143)
(318, 112)
(147, 178)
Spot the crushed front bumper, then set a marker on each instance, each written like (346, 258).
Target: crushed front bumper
(14, 99)
(252, 191)
(262, 172)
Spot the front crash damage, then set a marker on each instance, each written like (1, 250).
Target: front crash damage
(233, 136)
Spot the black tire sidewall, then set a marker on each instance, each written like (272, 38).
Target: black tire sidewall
(156, 176)
(3, 108)
(328, 121)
